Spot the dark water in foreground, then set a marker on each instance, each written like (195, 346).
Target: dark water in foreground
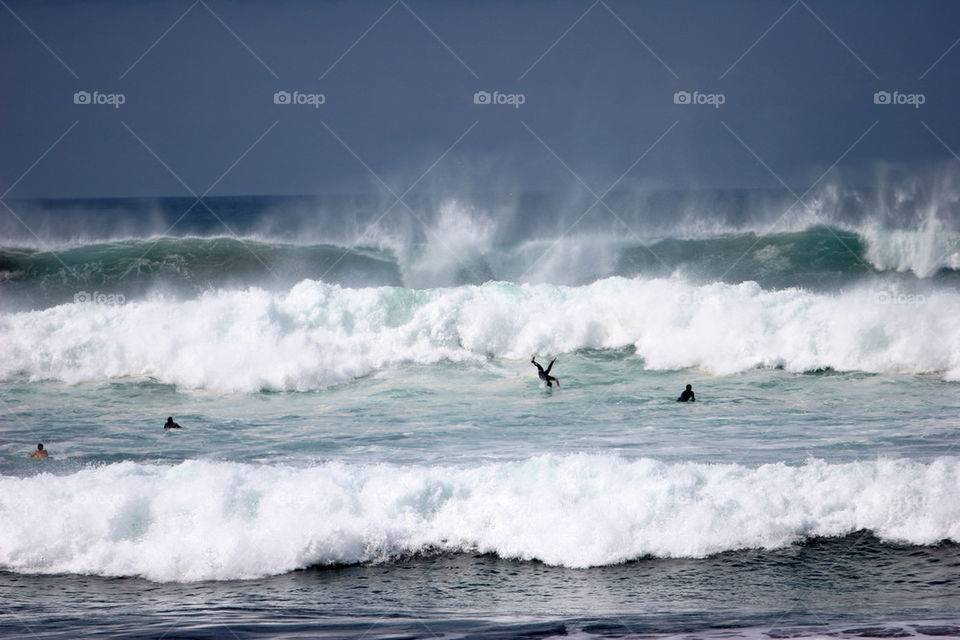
(854, 586)
(367, 452)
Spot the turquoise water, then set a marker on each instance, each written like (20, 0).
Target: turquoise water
(372, 453)
(361, 509)
(463, 414)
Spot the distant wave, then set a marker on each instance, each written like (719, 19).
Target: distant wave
(203, 520)
(317, 335)
(924, 252)
(819, 258)
(183, 267)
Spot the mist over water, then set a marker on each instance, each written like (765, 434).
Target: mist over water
(726, 281)
(137, 248)
(411, 212)
(355, 385)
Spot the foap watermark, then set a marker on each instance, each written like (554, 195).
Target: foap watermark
(696, 97)
(96, 97)
(897, 97)
(895, 298)
(108, 299)
(693, 297)
(298, 97)
(512, 99)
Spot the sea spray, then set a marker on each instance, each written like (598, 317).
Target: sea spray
(461, 250)
(205, 520)
(318, 335)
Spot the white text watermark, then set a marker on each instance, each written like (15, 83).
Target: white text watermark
(696, 97)
(297, 97)
(892, 297)
(512, 99)
(96, 97)
(896, 97)
(694, 297)
(109, 299)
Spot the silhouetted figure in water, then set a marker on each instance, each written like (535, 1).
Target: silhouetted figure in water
(687, 395)
(39, 453)
(171, 424)
(545, 375)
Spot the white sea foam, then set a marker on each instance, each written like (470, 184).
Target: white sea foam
(216, 520)
(318, 334)
(923, 252)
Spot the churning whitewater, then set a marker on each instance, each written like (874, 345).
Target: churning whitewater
(205, 520)
(317, 334)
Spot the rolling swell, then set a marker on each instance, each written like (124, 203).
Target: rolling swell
(819, 258)
(182, 267)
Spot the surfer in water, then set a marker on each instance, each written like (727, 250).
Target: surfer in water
(171, 424)
(545, 375)
(40, 452)
(687, 395)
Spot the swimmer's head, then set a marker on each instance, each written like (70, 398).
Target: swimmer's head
(170, 418)
(689, 388)
(40, 447)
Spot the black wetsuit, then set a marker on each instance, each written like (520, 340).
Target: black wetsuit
(170, 424)
(686, 395)
(545, 375)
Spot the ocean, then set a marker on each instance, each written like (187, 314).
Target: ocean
(367, 451)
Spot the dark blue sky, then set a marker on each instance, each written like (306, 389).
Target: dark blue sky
(798, 81)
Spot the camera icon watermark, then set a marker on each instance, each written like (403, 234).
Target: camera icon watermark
(114, 100)
(512, 99)
(297, 97)
(108, 299)
(895, 298)
(696, 97)
(896, 97)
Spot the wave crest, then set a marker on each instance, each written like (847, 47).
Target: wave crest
(203, 520)
(319, 335)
